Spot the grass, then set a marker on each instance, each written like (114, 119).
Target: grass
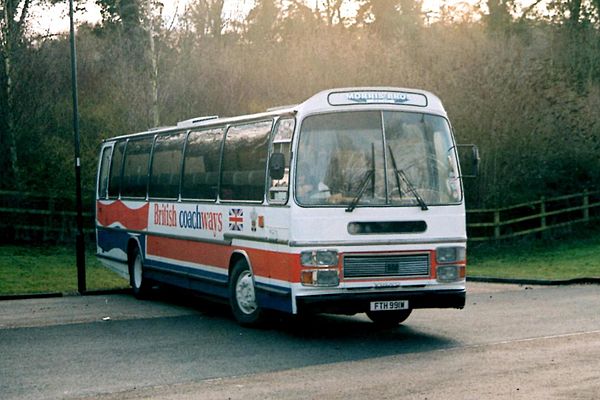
(30, 269)
(563, 257)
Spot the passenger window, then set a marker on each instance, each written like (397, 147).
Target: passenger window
(103, 173)
(166, 166)
(135, 168)
(201, 165)
(282, 140)
(114, 183)
(245, 161)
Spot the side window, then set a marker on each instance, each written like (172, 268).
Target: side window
(103, 173)
(245, 161)
(135, 168)
(282, 141)
(115, 170)
(166, 166)
(201, 165)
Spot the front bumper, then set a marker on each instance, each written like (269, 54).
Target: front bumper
(352, 303)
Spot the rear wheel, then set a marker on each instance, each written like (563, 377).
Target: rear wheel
(139, 284)
(388, 319)
(242, 295)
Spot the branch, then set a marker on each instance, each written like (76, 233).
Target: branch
(529, 9)
(47, 35)
(24, 13)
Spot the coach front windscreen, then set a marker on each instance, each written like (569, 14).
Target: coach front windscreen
(376, 158)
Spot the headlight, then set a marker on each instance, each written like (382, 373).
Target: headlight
(319, 258)
(450, 273)
(450, 254)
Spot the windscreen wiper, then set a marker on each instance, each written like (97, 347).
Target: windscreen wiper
(363, 188)
(401, 175)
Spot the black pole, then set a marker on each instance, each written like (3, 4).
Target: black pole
(80, 245)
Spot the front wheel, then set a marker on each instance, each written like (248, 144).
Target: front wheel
(388, 319)
(242, 295)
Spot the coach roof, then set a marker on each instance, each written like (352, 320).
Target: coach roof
(351, 97)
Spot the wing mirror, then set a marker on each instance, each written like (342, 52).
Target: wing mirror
(469, 160)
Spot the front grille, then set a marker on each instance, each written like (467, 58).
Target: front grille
(388, 265)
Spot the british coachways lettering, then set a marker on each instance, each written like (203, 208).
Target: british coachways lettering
(165, 215)
(195, 218)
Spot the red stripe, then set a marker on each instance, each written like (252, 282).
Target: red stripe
(135, 219)
(268, 264)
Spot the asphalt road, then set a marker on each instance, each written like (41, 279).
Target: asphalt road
(509, 342)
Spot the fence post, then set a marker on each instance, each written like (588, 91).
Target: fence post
(47, 232)
(543, 215)
(586, 206)
(496, 224)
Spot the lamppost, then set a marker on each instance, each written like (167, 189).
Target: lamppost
(80, 245)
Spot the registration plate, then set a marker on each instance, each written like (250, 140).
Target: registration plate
(389, 305)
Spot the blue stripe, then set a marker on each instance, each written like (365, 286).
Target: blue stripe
(193, 272)
(216, 284)
(274, 301)
(109, 239)
(112, 239)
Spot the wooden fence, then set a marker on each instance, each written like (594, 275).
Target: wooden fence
(26, 217)
(533, 217)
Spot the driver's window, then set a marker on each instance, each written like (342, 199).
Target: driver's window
(406, 141)
(282, 141)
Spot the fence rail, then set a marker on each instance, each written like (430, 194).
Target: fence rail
(533, 217)
(39, 218)
(34, 217)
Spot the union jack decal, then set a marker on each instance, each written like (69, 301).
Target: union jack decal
(236, 219)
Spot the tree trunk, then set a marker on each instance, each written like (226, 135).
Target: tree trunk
(10, 31)
(152, 57)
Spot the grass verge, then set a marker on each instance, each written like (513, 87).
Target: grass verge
(568, 256)
(30, 269)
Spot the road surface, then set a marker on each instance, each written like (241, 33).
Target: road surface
(510, 342)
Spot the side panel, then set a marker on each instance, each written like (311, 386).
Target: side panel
(192, 245)
(205, 266)
(117, 222)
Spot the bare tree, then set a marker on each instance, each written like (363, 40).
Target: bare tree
(333, 11)
(151, 55)
(14, 14)
(206, 17)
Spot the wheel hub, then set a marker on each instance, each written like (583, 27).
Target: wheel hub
(244, 293)
(137, 272)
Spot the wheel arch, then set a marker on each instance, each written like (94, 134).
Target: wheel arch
(236, 256)
(132, 244)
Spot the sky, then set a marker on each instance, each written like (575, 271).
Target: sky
(55, 19)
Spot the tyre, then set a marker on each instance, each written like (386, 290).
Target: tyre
(242, 295)
(388, 319)
(139, 284)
